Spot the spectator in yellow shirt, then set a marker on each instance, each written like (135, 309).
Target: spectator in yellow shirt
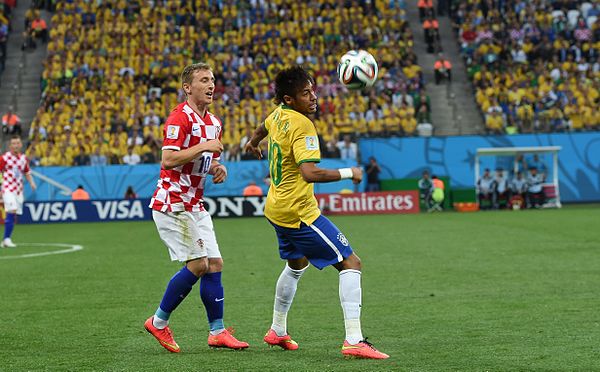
(494, 123)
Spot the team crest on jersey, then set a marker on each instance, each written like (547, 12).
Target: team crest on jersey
(342, 239)
(312, 143)
(172, 131)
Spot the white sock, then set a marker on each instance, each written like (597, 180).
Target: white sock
(159, 323)
(284, 295)
(350, 297)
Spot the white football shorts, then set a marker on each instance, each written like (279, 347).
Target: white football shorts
(13, 202)
(187, 235)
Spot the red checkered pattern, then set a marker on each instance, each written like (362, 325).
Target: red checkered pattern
(182, 188)
(13, 167)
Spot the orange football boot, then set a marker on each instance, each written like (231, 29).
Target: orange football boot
(363, 349)
(225, 339)
(163, 336)
(284, 342)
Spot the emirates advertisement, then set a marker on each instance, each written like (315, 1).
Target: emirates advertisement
(385, 202)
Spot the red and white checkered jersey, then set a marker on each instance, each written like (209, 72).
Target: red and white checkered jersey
(182, 188)
(13, 167)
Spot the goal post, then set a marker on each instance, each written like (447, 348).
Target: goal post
(514, 152)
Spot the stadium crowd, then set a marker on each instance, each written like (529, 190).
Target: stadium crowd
(111, 75)
(534, 64)
(6, 9)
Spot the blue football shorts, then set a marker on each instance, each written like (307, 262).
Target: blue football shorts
(321, 242)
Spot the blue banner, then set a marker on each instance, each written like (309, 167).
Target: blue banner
(110, 182)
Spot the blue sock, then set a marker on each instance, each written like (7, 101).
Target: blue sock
(9, 224)
(178, 288)
(211, 292)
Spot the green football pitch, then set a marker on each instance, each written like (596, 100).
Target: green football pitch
(497, 291)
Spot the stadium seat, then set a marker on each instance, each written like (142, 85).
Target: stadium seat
(585, 8)
(557, 13)
(425, 129)
(573, 16)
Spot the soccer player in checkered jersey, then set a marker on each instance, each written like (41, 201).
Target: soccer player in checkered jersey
(305, 236)
(13, 165)
(190, 153)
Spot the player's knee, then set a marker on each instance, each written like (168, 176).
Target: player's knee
(198, 267)
(351, 262)
(354, 262)
(298, 263)
(215, 265)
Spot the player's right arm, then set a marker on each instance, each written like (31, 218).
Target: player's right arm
(174, 158)
(313, 174)
(253, 145)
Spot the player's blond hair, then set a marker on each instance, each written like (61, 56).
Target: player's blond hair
(187, 75)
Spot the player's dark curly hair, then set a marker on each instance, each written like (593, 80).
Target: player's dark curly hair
(290, 81)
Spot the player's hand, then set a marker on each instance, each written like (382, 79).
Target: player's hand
(213, 146)
(33, 187)
(357, 174)
(219, 173)
(253, 149)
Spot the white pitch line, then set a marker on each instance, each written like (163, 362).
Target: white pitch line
(72, 248)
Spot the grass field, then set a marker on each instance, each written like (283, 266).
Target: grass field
(498, 291)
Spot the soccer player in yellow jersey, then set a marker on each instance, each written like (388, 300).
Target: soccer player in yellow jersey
(305, 236)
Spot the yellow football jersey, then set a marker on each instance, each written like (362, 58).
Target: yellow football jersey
(292, 141)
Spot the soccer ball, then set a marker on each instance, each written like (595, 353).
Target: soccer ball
(357, 69)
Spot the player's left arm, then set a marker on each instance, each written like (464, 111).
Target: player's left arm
(218, 171)
(29, 178)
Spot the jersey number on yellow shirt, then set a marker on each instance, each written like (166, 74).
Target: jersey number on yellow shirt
(275, 158)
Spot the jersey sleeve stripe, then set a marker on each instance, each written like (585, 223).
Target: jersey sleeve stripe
(171, 148)
(314, 160)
